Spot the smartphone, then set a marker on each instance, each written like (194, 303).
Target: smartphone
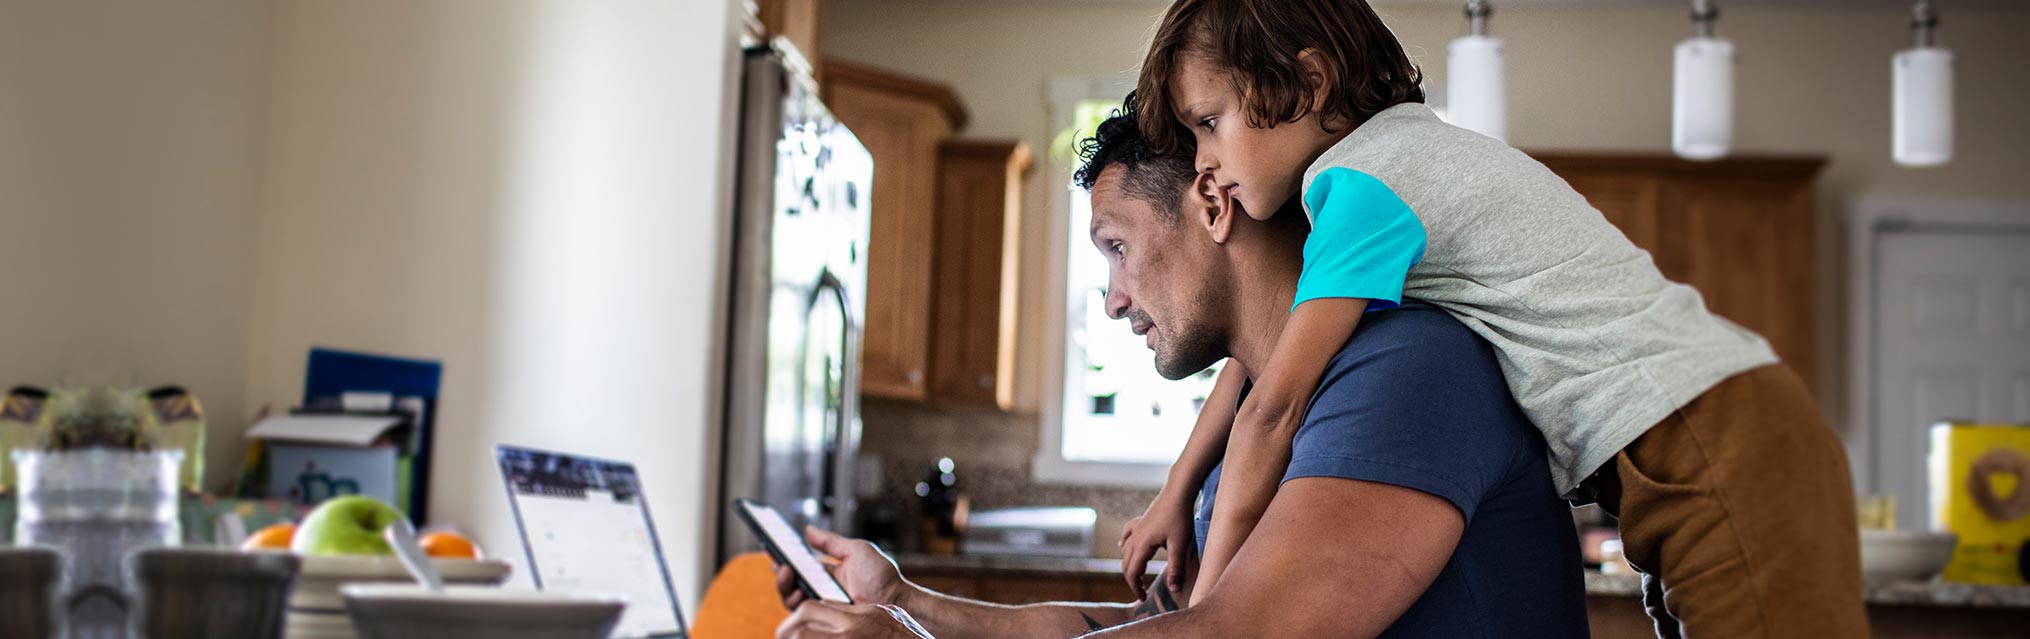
(789, 549)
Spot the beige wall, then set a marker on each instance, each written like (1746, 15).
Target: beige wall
(130, 174)
(530, 192)
(1810, 80)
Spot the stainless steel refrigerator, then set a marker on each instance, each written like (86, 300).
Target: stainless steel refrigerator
(792, 420)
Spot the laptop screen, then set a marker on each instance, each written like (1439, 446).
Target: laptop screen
(586, 529)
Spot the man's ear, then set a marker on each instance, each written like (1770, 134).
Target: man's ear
(1212, 208)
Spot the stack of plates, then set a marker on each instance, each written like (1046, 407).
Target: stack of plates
(317, 611)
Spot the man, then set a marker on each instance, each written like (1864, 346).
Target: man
(1418, 500)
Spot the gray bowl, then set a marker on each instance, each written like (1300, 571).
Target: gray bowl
(197, 593)
(1905, 555)
(404, 611)
(28, 579)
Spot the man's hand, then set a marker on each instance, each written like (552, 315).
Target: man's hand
(1166, 525)
(827, 620)
(869, 575)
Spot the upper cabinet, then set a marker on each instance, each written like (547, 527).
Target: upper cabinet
(941, 276)
(801, 22)
(904, 123)
(1741, 231)
(979, 227)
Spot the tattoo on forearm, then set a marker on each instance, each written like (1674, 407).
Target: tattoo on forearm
(1157, 602)
(1091, 623)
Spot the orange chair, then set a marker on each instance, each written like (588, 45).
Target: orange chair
(742, 602)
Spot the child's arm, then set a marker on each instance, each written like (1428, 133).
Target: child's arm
(1258, 449)
(1167, 523)
(1208, 436)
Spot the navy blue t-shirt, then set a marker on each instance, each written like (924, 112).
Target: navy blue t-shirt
(1416, 400)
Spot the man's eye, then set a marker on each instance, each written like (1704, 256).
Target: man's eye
(1118, 249)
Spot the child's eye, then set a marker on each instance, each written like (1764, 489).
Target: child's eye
(1208, 123)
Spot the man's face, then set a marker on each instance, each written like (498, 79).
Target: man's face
(1162, 276)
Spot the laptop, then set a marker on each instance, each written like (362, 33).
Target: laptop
(586, 528)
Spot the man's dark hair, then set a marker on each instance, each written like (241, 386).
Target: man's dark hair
(1156, 178)
(1366, 68)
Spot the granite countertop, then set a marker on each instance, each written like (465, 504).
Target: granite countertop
(1054, 566)
(1885, 593)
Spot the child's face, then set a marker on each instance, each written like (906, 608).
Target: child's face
(1261, 168)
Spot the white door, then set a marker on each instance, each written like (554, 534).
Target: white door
(1952, 341)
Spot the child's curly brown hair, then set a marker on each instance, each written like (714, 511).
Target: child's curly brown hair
(1366, 68)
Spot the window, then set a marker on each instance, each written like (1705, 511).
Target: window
(1115, 421)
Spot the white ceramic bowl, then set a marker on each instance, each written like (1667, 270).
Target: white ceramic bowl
(316, 611)
(1905, 554)
(400, 611)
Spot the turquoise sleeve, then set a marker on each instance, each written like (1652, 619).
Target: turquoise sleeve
(1363, 240)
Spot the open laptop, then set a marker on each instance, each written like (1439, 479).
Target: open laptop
(587, 529)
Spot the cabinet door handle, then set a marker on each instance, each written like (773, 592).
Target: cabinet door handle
(915, 376)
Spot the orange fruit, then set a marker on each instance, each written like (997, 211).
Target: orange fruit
(276, 537)
(448, 545)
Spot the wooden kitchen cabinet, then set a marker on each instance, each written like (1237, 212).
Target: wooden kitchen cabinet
(1017, 591)
(943, 249)
(979, 226)
(801, 22)
(1740, 230)
(954, 585)
(904, 123)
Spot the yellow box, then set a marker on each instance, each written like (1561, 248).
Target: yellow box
(1980, 489)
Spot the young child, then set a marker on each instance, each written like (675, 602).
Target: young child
(1732, 492)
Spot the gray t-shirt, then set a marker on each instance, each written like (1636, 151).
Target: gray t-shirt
(1596, 345)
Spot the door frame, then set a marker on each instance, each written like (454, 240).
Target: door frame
(1868, 219)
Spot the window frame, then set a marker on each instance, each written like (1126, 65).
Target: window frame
(1050, 465)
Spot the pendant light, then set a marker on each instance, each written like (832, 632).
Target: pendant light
(1474, 82)
(1922, 76)
(1702, 97)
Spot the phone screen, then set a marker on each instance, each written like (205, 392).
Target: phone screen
(790, 547)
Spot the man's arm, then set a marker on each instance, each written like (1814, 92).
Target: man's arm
(948, 617)
(871, 577)
(1331, 558)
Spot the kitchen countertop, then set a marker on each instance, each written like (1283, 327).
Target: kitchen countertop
(1888, 593)
(1053, 566)
(1895, 593)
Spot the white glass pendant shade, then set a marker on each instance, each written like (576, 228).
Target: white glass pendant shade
(1923, 106)
(1476, 86)
(1702, 99)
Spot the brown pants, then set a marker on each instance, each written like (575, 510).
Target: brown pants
(1739, 511)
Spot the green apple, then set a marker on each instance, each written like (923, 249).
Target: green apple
(349, 525)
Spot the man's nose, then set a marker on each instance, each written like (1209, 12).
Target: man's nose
(1117, 301)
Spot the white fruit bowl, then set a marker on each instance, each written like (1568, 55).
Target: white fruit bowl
(317, 611)
(1905, 554)
(408, 611)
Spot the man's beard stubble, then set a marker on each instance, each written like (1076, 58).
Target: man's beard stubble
(1193, 345)
(1187, 354)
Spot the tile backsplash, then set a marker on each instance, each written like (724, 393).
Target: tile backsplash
(992, 451)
